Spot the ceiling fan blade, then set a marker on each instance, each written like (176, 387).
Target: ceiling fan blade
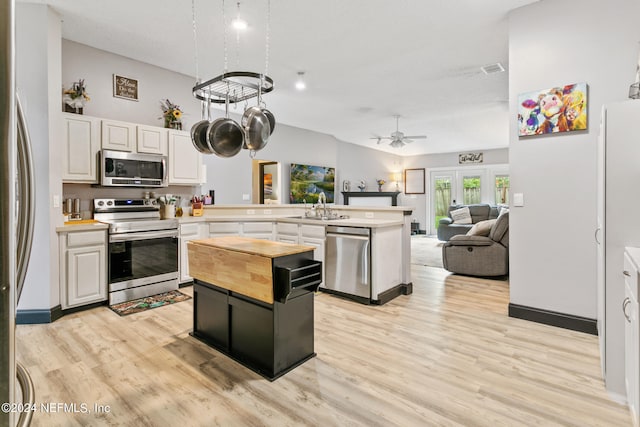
(417, 137)
(407, 141)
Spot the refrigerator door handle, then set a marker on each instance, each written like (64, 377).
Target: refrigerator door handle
(26, 216)
(28, 395)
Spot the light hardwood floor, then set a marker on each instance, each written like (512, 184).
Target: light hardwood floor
(446, 355)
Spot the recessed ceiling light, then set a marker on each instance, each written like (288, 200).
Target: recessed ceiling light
(300, 84)
(239, 23)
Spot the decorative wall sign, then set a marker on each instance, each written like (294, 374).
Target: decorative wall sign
(559, 109)
(470, 158)
(125, 87)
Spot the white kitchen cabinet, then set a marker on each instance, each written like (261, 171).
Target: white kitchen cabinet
(304, 234)
(185, 162)
(287, 232)
(220, 229)
(258, 230)
(152, 139)
(188, 232)
(83, 268)
(120, 136)
(386, 259)
(81, 137)
(631, 332)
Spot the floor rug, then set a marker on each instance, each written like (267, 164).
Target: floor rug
(147, 303)
(426, 250)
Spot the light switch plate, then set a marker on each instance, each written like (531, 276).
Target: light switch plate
(251, 211)
(267, 212)
(368, 215)
(245, 197)
(518, 199)
(56, 201)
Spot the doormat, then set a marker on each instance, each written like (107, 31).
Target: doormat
(147, 303)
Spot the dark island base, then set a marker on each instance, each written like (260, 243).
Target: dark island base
(248, 364)
(269, 339)
(383, 298)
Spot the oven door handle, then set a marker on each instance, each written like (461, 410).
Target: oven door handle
(144, 235)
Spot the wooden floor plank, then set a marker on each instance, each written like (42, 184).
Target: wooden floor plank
(445, 355)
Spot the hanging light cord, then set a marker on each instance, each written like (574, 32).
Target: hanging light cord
(195, 39)
(224, 26)
(266, 49)
(238, 40)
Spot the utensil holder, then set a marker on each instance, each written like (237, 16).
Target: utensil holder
(168, 211)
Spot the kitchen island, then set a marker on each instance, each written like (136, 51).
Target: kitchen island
(253, 301)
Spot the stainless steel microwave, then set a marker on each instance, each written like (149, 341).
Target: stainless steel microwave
(122, 169)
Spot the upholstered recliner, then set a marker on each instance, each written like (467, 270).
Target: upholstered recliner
(447, 228)
(480, 255)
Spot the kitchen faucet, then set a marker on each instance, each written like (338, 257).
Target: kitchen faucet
(322, 198)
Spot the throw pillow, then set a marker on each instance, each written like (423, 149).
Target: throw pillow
(461, 216)
(503, 211)
(482, 228)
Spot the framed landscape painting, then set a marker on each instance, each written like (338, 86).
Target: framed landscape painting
(553, 110)
(307, 182)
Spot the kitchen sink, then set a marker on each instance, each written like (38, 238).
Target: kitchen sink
(319, 218)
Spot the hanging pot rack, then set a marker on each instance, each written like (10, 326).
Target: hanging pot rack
(233, 86)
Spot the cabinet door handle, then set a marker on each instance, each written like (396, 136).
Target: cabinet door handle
(625, 303)
(626, 273)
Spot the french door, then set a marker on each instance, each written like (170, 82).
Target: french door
(464, 187)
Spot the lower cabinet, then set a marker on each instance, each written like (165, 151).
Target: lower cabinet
(631, 336)
(83, 268)
(188, 232)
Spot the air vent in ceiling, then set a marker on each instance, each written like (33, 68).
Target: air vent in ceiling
(493, 68)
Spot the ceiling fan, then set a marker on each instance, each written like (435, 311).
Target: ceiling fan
(398, 139)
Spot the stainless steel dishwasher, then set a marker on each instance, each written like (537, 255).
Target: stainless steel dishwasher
(348, 262)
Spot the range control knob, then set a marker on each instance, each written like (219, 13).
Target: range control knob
(110, 202)
(100, 203)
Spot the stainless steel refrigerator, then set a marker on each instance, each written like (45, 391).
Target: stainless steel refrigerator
(16, 195)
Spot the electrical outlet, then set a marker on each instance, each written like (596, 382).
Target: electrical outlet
(245, 196)
(267, 211)
(251, 211)
(368, 215)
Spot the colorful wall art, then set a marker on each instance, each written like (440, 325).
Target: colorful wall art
(307, 182)
(554, 110)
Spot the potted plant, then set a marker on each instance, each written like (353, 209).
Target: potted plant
(75, 97)
(171, 114)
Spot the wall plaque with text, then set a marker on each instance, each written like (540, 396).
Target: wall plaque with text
(125, 87)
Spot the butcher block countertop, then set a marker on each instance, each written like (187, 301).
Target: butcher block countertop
(265, 248)
(239, 264)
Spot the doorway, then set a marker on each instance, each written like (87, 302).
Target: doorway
(465, 186)
(266, 182)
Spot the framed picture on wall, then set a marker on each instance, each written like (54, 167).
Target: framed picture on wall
(414, 181)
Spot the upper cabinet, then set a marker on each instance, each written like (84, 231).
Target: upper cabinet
(81, 144)
(84, 136)
(185, 162)
(152, 139)
(119, 136)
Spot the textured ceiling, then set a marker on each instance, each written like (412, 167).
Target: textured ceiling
(364, 60)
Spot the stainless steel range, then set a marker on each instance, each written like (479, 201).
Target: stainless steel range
(143, 249)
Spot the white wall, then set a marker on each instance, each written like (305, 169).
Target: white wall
(38, 77)
(552, 250)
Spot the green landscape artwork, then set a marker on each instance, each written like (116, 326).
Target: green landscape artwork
(307, 182)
